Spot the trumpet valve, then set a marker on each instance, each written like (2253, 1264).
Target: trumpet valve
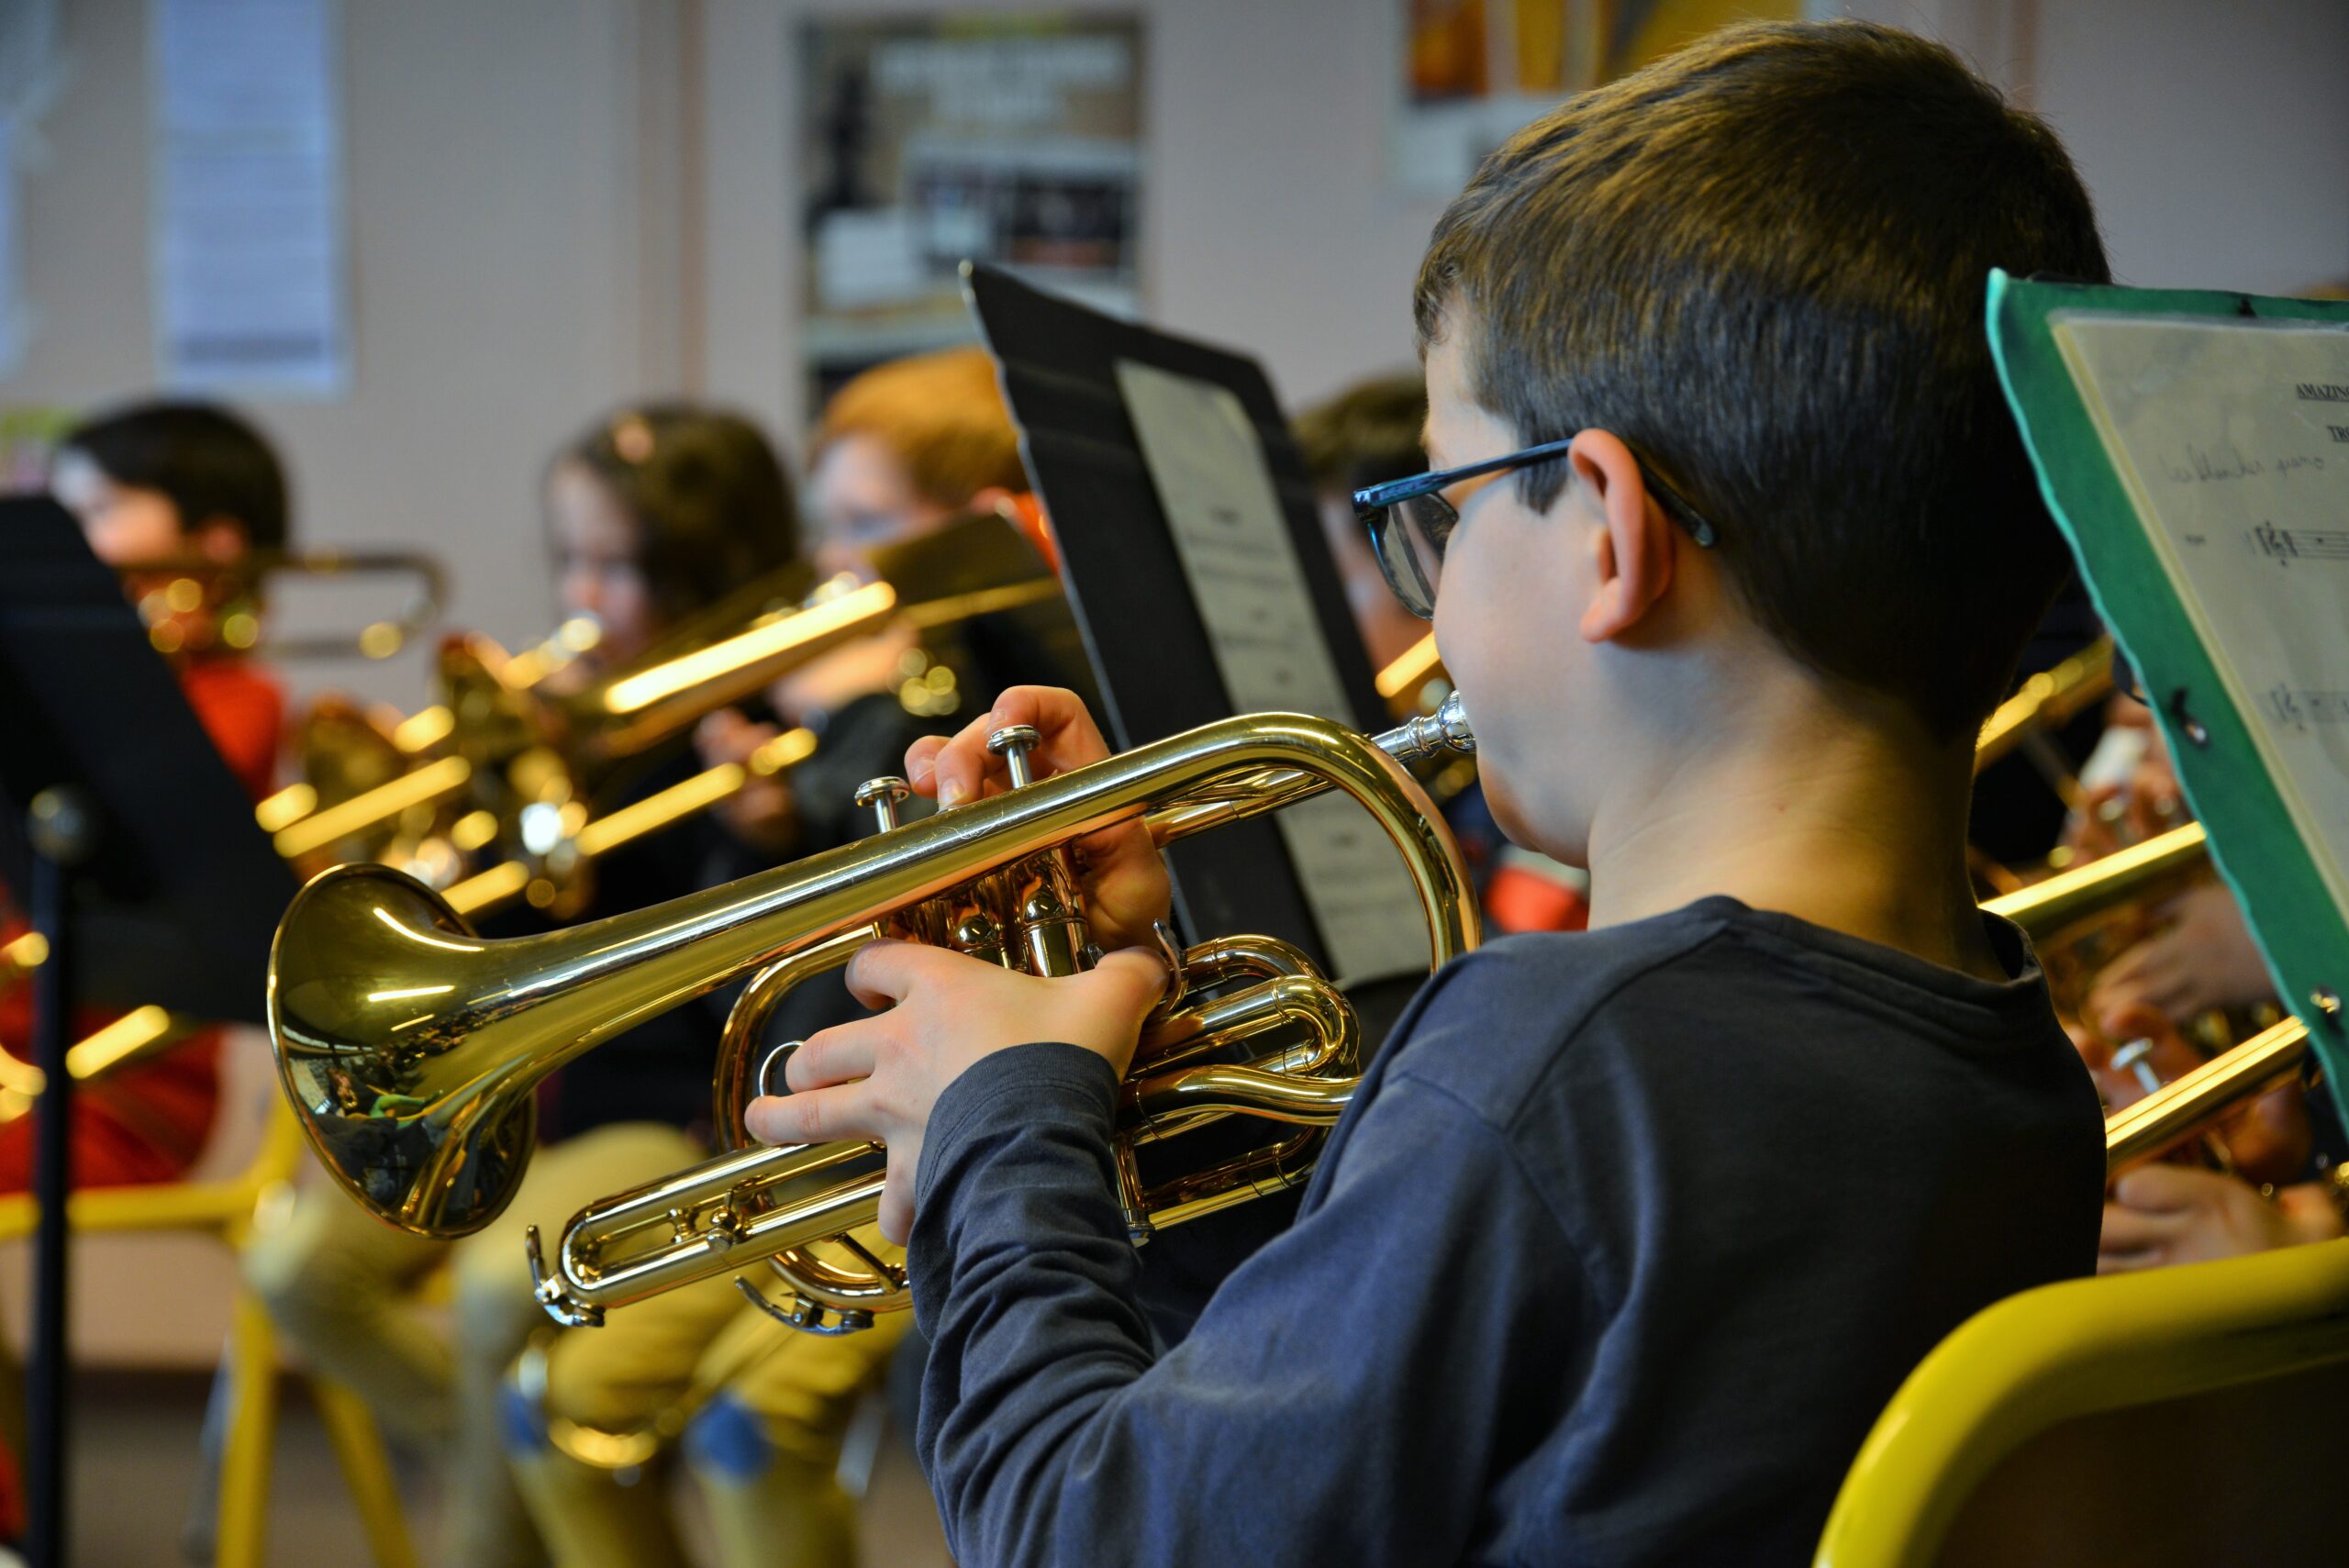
(2136, 1059)
(722, 1228)
(1052, 928)
(883, 796)
(1012, 743)
(978, 935)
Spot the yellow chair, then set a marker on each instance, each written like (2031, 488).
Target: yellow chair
(226, 1209)
(2179, 1416)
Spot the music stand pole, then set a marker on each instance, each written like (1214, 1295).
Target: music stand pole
(62, 830)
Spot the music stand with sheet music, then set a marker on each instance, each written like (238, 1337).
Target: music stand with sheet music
(2194, 447)
(147, 873)
(1127, 580)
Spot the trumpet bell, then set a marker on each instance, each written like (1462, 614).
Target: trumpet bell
(394, 1087)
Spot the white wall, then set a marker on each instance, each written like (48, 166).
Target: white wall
(2215, 138)
(558, 204)
(1267, 222)
(492, 158)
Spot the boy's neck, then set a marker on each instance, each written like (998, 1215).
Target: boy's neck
(1806, 810)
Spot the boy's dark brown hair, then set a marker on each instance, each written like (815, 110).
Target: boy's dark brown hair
(1761, 262)
(212, 465)
(712, 507)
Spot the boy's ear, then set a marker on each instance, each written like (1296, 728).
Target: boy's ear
(1636, 546)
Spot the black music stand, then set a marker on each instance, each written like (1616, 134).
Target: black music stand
(1157, 670)
(141, 864)
(1125, 579)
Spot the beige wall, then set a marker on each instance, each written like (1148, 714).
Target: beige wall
(558, 204)
(493, 166)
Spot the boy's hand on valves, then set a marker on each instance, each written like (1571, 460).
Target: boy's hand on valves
(1125, 890)
(879, 1078)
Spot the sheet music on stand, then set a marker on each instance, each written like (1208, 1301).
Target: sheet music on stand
(1209, 469)
(2194, 446)
(2222, 435)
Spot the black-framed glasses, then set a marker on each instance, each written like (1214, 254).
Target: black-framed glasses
(1411, 522)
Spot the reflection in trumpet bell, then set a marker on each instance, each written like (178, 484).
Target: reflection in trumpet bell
(410, 1121)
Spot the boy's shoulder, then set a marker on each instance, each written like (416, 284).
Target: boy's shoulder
(1713, 991)
(1494, 1023)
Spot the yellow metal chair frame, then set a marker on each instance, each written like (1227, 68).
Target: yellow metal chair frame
(2072, 1351)
(226, 1209)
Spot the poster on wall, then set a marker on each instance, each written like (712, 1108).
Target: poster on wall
(249, 225)
(924, 141)
(1473, 71)
(30, 74)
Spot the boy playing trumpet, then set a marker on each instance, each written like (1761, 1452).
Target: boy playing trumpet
(1627, 1235)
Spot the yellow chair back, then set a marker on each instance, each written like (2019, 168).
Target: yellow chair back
(2182, 1415)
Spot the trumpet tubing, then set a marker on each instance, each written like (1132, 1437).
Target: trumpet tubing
(779, 1204)
(192, 603)
(2047, 701)
(410, 1047)
(2180, 1110)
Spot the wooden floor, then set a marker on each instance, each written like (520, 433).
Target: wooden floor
(135, 1466)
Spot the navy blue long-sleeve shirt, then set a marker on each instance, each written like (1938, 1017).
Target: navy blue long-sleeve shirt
(1625, 1240)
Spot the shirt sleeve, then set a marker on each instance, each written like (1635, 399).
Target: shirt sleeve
(1349, 1395)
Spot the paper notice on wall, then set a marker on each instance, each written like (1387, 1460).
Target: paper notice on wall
(16, 316)
(2233, 438)
(1209, 470)
(250, 264)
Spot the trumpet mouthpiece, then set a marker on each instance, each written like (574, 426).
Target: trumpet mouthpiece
(1443, 733)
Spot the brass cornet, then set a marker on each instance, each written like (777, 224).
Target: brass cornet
(410, 1047)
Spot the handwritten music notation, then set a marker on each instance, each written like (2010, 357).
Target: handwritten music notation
(2285, 545)
(2301, 708)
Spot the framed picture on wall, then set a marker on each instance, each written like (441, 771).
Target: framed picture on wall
(927, 142)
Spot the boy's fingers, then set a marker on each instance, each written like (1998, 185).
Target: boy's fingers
(2127, 1231)
(1066, 738)
(838, 1055)
(896, 1211)
(2159, 1189)
(897, 1216)
(921, 763)
(820, 1116)
(1138, 975)
(959, 767)
(885, 971)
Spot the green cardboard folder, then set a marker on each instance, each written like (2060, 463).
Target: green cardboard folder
(2194, 446)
